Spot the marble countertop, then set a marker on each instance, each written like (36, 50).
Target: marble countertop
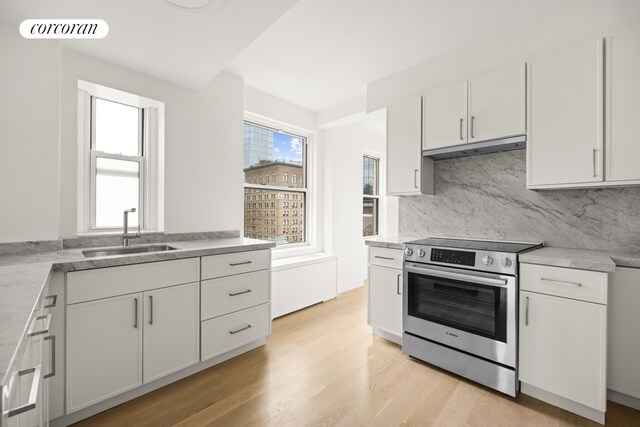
(390, 242)
(581, 259)
(22, 277)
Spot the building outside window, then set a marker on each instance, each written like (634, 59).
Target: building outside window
(279, 154)
(370, 196)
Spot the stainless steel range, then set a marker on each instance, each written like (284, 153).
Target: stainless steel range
(460, 307)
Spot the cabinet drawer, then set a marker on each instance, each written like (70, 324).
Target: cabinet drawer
(238, 262)
(385, 257)
(225, 333)
(100, 283)
(232, 293)
(564, 282)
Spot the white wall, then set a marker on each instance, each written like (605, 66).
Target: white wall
(29, 137)
(203, 145)
(343, 209)
(567, 26)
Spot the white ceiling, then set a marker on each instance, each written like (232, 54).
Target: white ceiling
(321, 52)
(313, 53)
(187, 47)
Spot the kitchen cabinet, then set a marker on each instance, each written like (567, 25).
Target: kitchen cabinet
(486, 107)
(171, 330)
(623, 375)
(407, 171)
(104, 349)
(623, 108)
(385, 293)
(565, 141)
(563, 338)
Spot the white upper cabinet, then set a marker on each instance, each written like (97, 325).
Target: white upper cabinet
(623, 107)
(565, 139)
(405, 165)
(445, 116)
(497, 106)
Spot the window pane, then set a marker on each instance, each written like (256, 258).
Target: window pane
(370, 176)
(276, 215)
(117, 128)
(117, 189)
(269, 153)
(369, 216)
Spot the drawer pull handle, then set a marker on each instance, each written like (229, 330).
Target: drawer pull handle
(54, 300)
(47, 322)
(240, 330)
(384, 257)
(558, 282)
(52, 338)
(240, 293)
(33, 394)
(233, 264)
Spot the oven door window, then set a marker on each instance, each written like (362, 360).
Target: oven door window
(475, 308)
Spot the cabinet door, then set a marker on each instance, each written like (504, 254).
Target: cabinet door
(104, 349)
(497, 104)
(562, 347)
(623, 107)
(404, 157)
(171, 330)
(445, 116)
(564, 146)
(623, 340)
(385, 299)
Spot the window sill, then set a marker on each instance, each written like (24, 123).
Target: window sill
(279, 253)
(118, 233)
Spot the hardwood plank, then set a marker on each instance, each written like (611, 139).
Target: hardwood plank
(322, 366)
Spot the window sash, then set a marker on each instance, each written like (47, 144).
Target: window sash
(95, 154)
(141, 124)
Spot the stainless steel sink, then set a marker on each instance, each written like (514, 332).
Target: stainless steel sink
(125, 250)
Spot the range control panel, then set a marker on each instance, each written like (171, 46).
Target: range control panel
(448, 256)
(494, 262)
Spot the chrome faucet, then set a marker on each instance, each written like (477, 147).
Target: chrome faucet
(125, 227)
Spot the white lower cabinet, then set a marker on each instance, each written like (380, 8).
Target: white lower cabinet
(563, 340)
(104, 349)
(385, 293)
(171, 323)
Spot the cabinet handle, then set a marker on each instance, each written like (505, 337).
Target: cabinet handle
(384, 257)
(239, 263)
(33, 393)
(135, 313)
(54, 299)
(558, 282)
(240, 293)
(472, 120)
(415, 178)
(47, 322)
(595, 162)
(526, 311)
(461, 138)
(151, 309)
(240, 330)
(398, 286)
(52, 338)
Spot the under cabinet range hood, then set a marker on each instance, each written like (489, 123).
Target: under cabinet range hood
(517, 142)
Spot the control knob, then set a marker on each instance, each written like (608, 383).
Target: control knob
(421, 253)
(408, 252)
(507, 262)
(487, 260)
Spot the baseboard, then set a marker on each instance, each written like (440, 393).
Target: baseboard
(386, 335)
(82, 414)
(564, 403)
(623, 399)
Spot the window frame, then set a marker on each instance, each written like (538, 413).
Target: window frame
(309, 229)
(375, 196)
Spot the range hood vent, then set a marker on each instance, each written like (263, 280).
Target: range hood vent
(518, 142)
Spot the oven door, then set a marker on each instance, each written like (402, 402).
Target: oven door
(471, 311)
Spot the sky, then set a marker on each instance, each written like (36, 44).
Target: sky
(287, 148)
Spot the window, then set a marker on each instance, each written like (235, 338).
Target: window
(120, 146)
(281, 155)
(370, 196)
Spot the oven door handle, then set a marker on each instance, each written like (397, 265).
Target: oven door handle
(501, 283)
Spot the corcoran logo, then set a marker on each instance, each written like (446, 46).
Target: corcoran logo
(451, 335)
(64, 29)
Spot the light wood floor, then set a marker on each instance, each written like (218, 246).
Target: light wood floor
(321, 366)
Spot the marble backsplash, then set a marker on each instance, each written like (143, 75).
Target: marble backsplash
(486, 197)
